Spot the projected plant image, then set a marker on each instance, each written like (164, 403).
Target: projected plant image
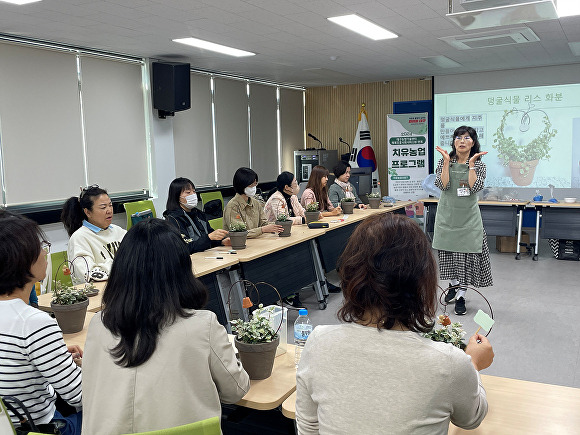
(522, 139)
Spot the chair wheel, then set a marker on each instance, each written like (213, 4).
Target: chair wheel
(322, 305)
(535, 257)
(517, 256)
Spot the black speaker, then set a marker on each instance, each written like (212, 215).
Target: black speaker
(171, 87)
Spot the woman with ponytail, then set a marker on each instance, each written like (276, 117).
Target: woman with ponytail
(87, 219)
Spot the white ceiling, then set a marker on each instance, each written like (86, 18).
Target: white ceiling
(293, 39)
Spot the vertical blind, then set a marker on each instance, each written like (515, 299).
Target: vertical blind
(264, 132)
(66, 120)
(291, 126)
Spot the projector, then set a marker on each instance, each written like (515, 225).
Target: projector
(471, 5)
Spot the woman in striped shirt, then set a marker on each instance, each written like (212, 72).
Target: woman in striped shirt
(35, 363)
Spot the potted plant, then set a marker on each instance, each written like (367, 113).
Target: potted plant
(256, 342)
(312, 212)
(70, 307)
(347, 205)
(523, 153)
(238, 234)
(448, 332)
(374, 199)
(283, 220)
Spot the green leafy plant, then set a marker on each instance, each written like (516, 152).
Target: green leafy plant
(450, 332)
(348, 199)
(374, 195)
(257, 329)
(67, 295)
(509, 150)
(313, 206)
(236, 227)
(282, 217)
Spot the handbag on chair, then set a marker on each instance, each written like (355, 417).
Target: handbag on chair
(26, 425)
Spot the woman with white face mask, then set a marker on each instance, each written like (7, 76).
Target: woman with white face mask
(190, 221)
(243, 207)
(284, 200)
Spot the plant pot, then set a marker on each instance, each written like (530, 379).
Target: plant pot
(287, 228)
(522, 173)
(347, 207)
(70, 318)
(257, 359)
(374, 202)
(238, 239)
(311, 216)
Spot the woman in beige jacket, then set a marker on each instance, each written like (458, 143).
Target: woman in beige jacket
(285, 201)
(153, 358)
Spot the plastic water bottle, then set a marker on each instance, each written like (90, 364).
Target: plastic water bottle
(302, 329)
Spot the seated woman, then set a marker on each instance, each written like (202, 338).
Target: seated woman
(87, 220)
(154, 359)
(317, 191)
(390, 376)
(341, 188)
(191, 222)
(285, 201)
(243, 207)
(36, 364)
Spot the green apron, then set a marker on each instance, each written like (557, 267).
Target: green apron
(458, 225)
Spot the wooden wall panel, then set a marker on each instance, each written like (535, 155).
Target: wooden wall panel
(332, 112)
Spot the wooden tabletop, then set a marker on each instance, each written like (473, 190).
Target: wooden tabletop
(515, 407)
(79, 338)
(204, 266)
(480, 202)
(94, 301)
(555, 204)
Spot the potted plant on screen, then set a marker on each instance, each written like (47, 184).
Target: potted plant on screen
(522, 139)
(256, 342)
(374, 199)
(312, 213)
(70, 307)
(238, 234)
(283, 220)
(347, 205)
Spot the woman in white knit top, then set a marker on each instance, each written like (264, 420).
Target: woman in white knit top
(87, 219)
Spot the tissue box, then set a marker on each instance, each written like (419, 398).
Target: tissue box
(509, 243)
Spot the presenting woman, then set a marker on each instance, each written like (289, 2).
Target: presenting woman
(88, 221)
(285, 201)
(459, 235)
(376, 373)
(243, 207)
(192, 223)
(341, 188)
(154, 359)
(317, 191)
(35, 363)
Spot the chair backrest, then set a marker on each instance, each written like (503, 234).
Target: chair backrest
(57, 259)
(217, 224)
(210, 426)
(6, 426)
(135, 207)
(208, 196)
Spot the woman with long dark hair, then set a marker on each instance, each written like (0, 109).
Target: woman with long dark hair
(459, 235)
(154, 358)
(317, 191)
(88, 221)
(183, 214)
(376, 372)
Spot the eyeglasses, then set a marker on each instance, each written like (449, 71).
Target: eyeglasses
(85, 189)
(462, 137)
(45, 246)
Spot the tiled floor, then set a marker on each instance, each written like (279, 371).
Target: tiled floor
(535, 336)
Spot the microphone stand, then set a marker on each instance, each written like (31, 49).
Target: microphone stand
(346, 156)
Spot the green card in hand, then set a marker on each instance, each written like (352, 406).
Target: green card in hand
(483, 320)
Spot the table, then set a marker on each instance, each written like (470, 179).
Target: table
(559, 221)
(500, 218)
(79, 338)
(515, 407)
(94, 301)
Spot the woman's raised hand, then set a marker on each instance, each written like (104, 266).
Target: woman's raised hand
(476, 156)
(444, 153)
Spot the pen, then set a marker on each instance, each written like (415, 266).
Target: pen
(215, 258)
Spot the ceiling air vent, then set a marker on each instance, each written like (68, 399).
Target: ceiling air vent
(519, 35)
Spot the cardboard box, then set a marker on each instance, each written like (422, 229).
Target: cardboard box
(509, 244)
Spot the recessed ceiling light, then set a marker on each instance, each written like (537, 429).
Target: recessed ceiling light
(362, 26)
(224, 49)
(442, 61)
(19, 2)
(568, 8)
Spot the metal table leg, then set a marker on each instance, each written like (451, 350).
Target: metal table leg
(320, 283)
(538, 216)
(520, 219)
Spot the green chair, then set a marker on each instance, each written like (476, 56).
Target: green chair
(135, 207)
(210, 426)
(208, 196)
(57, 259)
(217, 223)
